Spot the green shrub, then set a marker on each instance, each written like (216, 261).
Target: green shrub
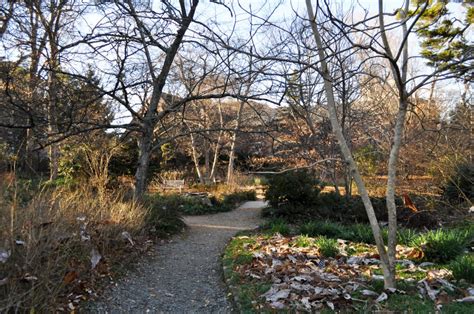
(189, 205)
(363, 233)
(442, 245)
(238, 197)
(463, 268)
(278, 225)
(327, 247)
(406, 236)
(297, 188)
(460, 185)
(323, 228)
(163, 217)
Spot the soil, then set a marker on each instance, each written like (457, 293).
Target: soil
(184, 274)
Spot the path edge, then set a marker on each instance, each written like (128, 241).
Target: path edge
(232, 293)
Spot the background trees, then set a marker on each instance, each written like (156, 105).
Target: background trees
(158, 74)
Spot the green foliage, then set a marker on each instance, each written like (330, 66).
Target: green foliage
(297, 188)
(167, 153)
(463, 268)
(368, 158)
(189, 205)
(409, 304)
(406, 236)
(363, 233)
(163, 219)
(327, 247)
(238, 197)
(443, 42)
(302, 241)
(443, 245)
(278, 225)
(260, 181)
(354, 232)
(460, 185)
(236, 253)
(323, 228)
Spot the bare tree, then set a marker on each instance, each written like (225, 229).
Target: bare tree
(397, 58)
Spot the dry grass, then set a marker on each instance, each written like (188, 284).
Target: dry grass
(50, 238)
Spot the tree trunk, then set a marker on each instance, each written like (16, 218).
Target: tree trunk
(52, 109)
(144, 153)
(230, 168)
(212, 176)
(196, 158)
(152, 116)
(391, 182)
(389, 275)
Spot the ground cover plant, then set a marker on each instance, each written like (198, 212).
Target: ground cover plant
(296, 273)
(204, 203)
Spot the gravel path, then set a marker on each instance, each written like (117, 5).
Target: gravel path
(183, 275)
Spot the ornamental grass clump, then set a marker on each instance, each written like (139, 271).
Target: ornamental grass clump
(442, 245)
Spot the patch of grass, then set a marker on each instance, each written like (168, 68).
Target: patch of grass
(303, 241)
(278, 225)
(237, 250)
(463, 267)
(249, 294)
(327, 247)
(407, 303)
(323, 228)
(457, 308)
(442, 245)
(236, 253)
(406, 236)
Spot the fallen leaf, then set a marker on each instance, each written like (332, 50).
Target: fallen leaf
(330, 304)
(95, 258)
(466, 300)
(274, 294)
(70, 277)
(447, 284)
(4, 255)
(127, 236)
(382, 297)
(277, 305)
(429, 291)
(369, 293)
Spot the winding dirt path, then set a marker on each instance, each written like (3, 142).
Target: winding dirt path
(183, 275)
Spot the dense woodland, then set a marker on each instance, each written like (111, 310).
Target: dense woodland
(101, 102)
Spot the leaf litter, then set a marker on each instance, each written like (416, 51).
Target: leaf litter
(302, 279)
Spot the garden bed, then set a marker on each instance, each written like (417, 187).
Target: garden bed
(301, 273)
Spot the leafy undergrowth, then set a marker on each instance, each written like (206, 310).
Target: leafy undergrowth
(201, 203)
(273, 272)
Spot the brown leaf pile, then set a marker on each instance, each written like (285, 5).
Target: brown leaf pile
(302, 279)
